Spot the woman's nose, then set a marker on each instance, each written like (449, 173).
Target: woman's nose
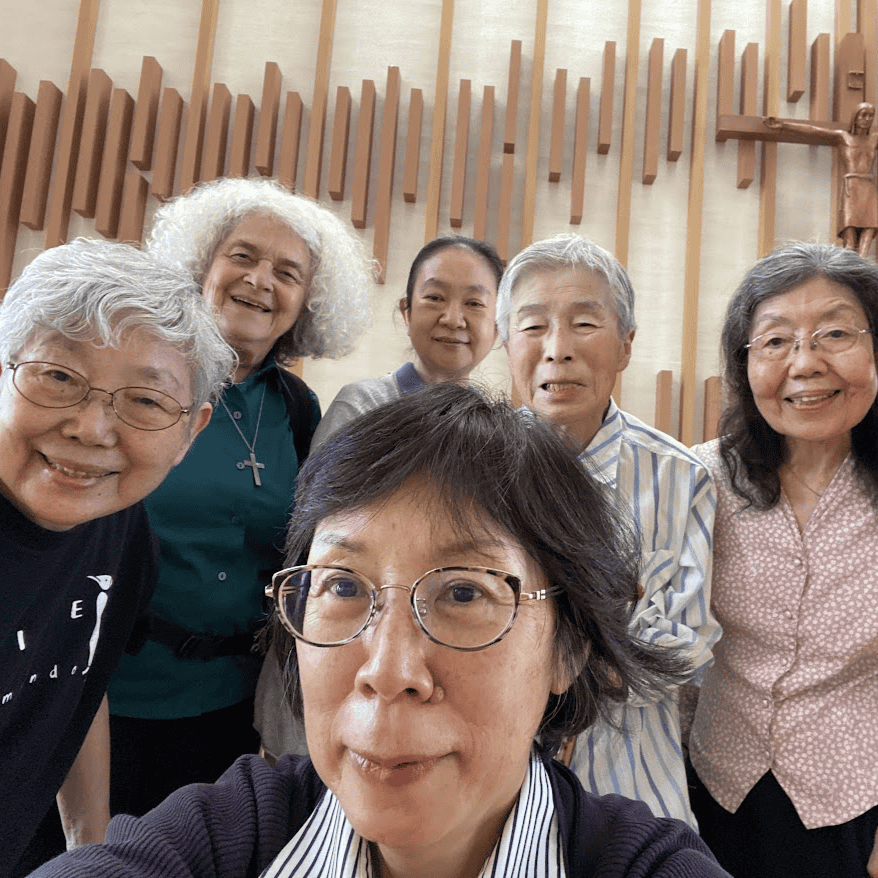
(396, 653)
(260, 274)
(806, 357)
(94, 420)
(452, 316)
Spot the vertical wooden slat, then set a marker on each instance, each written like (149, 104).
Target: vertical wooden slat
(91, 146)
(483, 169)
(39, 163)
(193, 141)
(68, 142)
(288, 160)
(7, 89)
(413, 146)
(850, 53)
(626, 159)
(713, 397)
(797, 52)
(725, 76)
(437, 133)
(386, 161)
(819, 108)
(677, 105)
(504, 216)
(608, 86)
(338, 156)
(216, 138)
(867, 17)
(664, 383)
(317, 128)
(694, 222)
(513, 88)
(134, 195)
(556, 144)
(109, 200)
(771, 103)
(363, 156)
(461, 141)
(15, 151)
(749, 83)
(242, 137)
(145, 114)
(263, 160)
(167, 139)
(528, 209)
(580, 150)
(653, 122)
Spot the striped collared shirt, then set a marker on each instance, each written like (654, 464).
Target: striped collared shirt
(529, 846)
(673, 502)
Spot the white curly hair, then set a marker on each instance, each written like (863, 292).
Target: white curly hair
(187, 231)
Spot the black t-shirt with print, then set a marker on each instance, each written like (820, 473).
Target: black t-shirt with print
(69, 605)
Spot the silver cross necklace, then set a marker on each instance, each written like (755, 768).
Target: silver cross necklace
(254, 465)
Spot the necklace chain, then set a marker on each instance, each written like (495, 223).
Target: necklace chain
(254, 465)
(801, 481)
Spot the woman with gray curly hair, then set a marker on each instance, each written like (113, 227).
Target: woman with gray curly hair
(287, 280)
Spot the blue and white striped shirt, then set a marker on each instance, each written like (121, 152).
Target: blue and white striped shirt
(327, 846)
(673, 502)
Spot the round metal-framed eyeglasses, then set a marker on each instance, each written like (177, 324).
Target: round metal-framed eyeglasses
(465, 608)
(779, 344)
(53, 386)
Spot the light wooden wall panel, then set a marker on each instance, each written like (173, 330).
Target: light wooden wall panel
(797, 50)
(483, 168)
(363, 156)
(288, 160)
(263, 158)
(580, 150)
(134, 197)
(317, 128)
(146, 113)
(12, 174)
(91, 147)
(166, 142)
(556, 145)
(216, 139)
(461, 143)
(242, 137)
(677, 109)
(608, 87)
(386, 163)
(653, 122)
(338, 157)
(42, 151)
(109, 201)
(413, 146)
(7, 90)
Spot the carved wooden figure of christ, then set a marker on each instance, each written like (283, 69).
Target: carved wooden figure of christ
(858, 196)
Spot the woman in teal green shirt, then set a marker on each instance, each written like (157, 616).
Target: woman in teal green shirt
(287, 280)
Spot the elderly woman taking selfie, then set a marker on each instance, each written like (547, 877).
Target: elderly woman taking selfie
(286, 280)
(784, 741)
(449, 308)
(452, 608)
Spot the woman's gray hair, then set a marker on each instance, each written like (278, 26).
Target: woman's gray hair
(188, 230)
(92, 290)
(557, 254)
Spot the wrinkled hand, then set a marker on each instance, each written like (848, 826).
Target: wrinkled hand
(772, 122)
(872, 865)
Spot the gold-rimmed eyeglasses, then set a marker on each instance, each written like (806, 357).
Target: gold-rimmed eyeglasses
(53, 386)
(465, 608)
(779, 344)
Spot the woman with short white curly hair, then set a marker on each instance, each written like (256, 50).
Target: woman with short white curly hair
(287, 280)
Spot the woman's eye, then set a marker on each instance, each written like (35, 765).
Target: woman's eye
(57, 375)
(775, 341)
(475, 304)
(240, 256)
(530, 327)
(344, 587)
(460, 593)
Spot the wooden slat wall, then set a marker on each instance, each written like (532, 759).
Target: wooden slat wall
(146, 114)
(99, 139)
(91, 146)
(192, 147)
(42, 150)
(71, 124)
(458, 171)
(338, 155)
(413, 146)
(263, 159)
(289, 149)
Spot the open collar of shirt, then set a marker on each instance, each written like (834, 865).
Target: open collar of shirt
(327, 846)
(602, 453)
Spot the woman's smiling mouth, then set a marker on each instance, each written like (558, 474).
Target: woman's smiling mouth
(241, 300)
(77, 473)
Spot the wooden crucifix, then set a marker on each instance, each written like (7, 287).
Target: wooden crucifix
(852, 136)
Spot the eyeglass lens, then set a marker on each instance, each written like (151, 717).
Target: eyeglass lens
(53, 386)
(830, 339)
(459, 607)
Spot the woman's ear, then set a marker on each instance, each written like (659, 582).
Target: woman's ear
(567, 669)
(404, 310)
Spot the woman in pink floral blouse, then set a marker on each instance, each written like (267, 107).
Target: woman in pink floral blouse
(784, 742)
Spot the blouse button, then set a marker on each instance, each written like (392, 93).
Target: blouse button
(236, 519)
(798, 562)
(237, 416)
(221, 576)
